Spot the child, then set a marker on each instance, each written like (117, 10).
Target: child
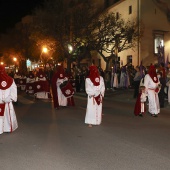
(140, 102)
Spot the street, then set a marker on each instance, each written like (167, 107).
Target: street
(49, 139)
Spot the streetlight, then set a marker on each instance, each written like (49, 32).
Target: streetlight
(70, 48)
(43, 60)
(14, 59)
(45, 50)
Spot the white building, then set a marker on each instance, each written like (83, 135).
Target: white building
(154, 16)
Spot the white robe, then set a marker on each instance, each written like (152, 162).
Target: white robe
(115, 81)
(94, 111)
(8, 122)
(62, 100)
(143, 100)
(154, 107)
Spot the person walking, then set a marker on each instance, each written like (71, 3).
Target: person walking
(62, 89)
(95, 89)
(8, 94)
(41, 86)
(152, 84)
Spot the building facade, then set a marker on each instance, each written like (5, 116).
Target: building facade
(154, 16)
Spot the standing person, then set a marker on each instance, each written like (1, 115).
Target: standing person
(124, 78)
(136, 82)
(95, 88)
(8, 94)
(152, 83)
(41, 86)
(161, 93)
(30, 83)
(107, 79)
(62, 90)
(140, 108)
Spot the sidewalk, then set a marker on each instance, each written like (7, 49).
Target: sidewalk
(122, 95)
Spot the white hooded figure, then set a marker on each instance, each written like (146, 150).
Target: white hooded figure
(8, 94)
(95, 88)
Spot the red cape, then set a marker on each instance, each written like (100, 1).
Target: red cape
(137, 109)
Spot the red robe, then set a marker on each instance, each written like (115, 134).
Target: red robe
(137, 109)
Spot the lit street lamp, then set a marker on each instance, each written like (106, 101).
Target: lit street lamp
(45, 50)
(14, 59)
(43, 59)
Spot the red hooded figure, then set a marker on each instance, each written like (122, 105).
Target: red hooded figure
(8, 94)
(5, 80)
(94, 75)
(61, 86)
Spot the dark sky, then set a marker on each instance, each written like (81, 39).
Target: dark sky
(11, 11)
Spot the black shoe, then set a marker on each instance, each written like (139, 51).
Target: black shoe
(140, 115)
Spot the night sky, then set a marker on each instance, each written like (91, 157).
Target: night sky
(11, 11)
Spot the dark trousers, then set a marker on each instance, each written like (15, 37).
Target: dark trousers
(136, 88)
(161, 96)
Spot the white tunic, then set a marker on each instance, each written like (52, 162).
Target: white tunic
(115, 81)
(62, 100)
(154, 107)
(94, 111)
(8, 122)
(143, 100)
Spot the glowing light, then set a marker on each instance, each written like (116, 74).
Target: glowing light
(15, 59)
(45, 50)
(70, 48)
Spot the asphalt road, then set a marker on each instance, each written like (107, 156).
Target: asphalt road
(49, 139)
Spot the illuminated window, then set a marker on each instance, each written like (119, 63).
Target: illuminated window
(158, 42)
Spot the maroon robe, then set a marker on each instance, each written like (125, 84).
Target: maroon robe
(137, 109)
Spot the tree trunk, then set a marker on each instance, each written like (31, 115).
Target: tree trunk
(69, 64)
(107, 65)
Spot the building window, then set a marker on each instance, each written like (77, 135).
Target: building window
(130, 9)
(158, 42)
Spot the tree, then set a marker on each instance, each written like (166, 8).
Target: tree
(65, 24)
(109, 35)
